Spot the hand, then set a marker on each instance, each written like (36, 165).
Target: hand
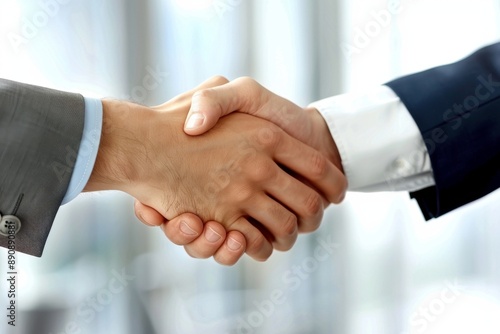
(203, 239)
(246, 95)
(240, 184)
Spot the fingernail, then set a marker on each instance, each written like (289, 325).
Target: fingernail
(211, 235)
(233, 245)
(186, 229)
(195, 120)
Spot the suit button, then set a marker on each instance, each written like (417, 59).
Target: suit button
(9, 225)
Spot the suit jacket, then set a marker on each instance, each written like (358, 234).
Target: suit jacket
(457, 109)
(40, 134)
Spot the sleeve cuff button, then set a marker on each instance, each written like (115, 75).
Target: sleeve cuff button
(9, 225)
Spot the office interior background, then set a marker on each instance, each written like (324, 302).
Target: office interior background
(386, 270)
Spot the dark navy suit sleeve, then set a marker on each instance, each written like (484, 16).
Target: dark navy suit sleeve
(457, 109)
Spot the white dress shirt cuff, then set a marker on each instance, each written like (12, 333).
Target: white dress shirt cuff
(379, 142)
(88, 149)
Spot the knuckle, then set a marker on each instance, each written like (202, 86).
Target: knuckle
(242, 194)
(289, 226)
(264, 255)
(262, 171)
(256, 93)
(274, 135)
(246, 80)
(286, 246)
(269, 137)
(341, 191)
(313, 204)
(341, 198)
(257, 245)
(319, 165)
(219, 80)
(203, 94)
(310, 225)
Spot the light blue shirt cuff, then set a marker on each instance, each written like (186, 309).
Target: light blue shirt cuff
(88, 149)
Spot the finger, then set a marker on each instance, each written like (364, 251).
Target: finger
(300, 199)
(208, 105)
(148, 215)
(258, 247)
(232, 249)
(309, 163)
(187, 96)
(280, 222)
(184, 229)
(208, 243)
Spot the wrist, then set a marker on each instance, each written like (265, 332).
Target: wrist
(323, 139)
(117, 164)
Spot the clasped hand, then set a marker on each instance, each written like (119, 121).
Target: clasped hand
(229, 185)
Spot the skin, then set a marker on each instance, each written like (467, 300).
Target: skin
(232, 174)
(245, 95)
(188, 229)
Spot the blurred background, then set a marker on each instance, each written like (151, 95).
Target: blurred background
(374, 266)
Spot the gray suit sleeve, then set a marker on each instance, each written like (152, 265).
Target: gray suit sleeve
(40, 134)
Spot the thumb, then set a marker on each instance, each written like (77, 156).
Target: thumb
(185, 98)
(209, 105)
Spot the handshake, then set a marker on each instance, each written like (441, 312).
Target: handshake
(220, 184)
